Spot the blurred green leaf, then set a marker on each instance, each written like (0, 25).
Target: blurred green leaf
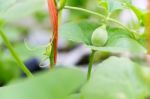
(113, 5)
(26, 54)
(58, 84)
(8, 70)
(76, 2)
(108, 49)
(119, 39)
(115, 78)
(80, 32)
(74, 96)
(123, 39)
(11, 10)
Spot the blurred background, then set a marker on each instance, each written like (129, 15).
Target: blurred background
(30, 34)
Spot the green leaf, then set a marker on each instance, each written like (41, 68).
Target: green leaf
(130, 45)
(8, 70)
(25, 53)
(119, 39)
(108, 49)
(123, 39)
(115, 78)
(138, 13)
(11, 10)
(112, 5)
(74, 96)
(58, 84)
(80, 32)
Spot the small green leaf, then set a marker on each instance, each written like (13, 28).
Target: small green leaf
(58, 84)
(115, 78)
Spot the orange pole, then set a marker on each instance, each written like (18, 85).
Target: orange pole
(54, 21)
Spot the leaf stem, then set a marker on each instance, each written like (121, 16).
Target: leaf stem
(91, 60)
(51, 58)
(85, 10)
(99, 15)
(61, 4)
(14, 54)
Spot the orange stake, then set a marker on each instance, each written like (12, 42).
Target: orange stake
(148, 32)
(54, 21)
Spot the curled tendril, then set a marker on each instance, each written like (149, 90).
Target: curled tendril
(46, 53)
(33, 49)
(39, 47)
(42, 62)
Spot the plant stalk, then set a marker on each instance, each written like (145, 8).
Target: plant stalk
(55, 8)
(54, 21)
(91, 60)
(51, 59)
(147, 29)
(14, 54)
(85, 10)
(61, 4)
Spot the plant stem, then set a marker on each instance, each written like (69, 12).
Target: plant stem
(61, 4)
(85, 10)
(54, 22)
(58, 19)
(14, 54)
(91, 60)
(51, 59)
(117, 22)
(99, 15)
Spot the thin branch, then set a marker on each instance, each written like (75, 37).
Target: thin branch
(14, 54)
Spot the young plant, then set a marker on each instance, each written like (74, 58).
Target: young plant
(119, 77)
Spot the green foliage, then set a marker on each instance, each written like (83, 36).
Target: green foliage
(123, 39)
(11, 10)
(113, 5)
(80, 32)
(25, 53)
(119, 40)
(54, 85)
(115, 78)
(8, 70)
